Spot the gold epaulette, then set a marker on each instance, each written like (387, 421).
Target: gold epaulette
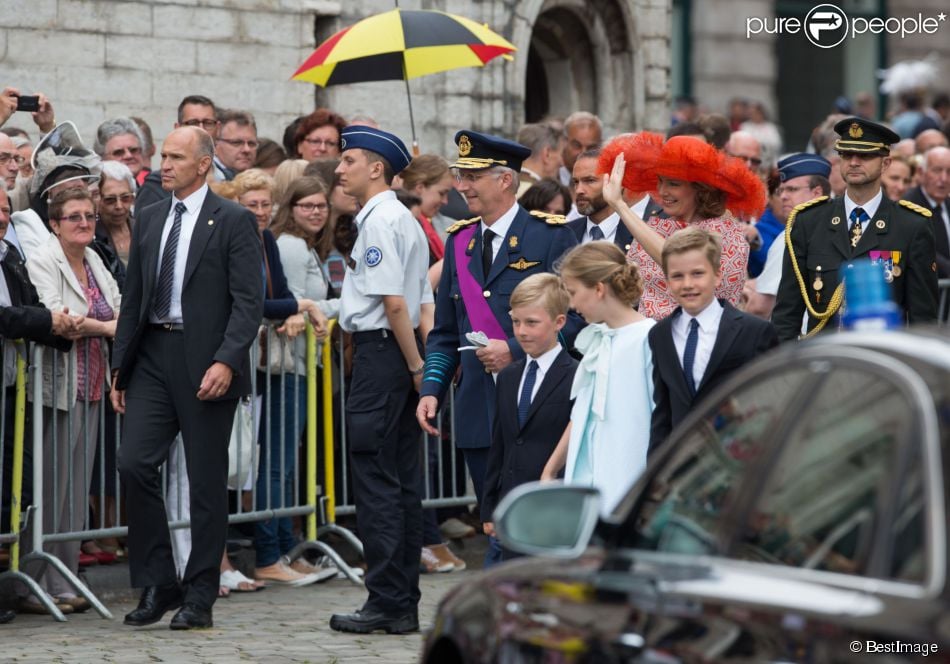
(459, 225)
(553, 219)
(916, 208)
(804, 206)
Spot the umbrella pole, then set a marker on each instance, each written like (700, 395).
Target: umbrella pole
(412, 120)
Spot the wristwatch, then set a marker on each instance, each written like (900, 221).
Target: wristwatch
(418, 372)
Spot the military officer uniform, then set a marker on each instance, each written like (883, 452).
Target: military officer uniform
(390, 257)
(523, 244)
(826, 236)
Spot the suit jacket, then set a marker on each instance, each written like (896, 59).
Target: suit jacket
(26, 317)
(622, 237)
(820, 239)
(517, 453)
(531, 246)
(59, 288)
(222, 294)
(740, 338)
(941, 241)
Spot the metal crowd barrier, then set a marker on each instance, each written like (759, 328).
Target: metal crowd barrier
(943, 306)
(316, 503)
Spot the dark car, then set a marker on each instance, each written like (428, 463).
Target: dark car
(798, 515)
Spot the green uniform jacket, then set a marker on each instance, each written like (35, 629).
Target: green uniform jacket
(820, 239)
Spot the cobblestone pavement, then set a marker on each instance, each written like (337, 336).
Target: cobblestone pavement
(276, 624)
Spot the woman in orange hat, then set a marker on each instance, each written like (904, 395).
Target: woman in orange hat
(695, 184)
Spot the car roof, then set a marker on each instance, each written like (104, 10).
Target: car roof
(929, 345)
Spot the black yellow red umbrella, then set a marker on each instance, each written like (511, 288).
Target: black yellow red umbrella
(401, 44)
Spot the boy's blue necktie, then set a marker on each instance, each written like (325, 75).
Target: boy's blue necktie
(524, 402)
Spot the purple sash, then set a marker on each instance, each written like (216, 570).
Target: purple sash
(480, 314)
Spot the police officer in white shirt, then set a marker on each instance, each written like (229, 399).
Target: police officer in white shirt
(386, 295)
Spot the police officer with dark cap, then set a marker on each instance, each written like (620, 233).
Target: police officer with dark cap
(826, 236)
(384, 294)
(485, 258)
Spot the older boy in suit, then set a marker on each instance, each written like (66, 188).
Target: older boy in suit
(705, 339)
(533, 395)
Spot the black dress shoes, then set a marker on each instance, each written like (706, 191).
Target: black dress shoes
(155, 601)
(192, 616)
(6, 615)
(367, 621)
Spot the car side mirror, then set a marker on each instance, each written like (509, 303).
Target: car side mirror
(550, 519)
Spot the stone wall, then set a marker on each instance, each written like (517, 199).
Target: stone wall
(98, 59)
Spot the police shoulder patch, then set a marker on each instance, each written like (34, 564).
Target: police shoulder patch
(552, 219)
(459, 225)
(373, 256)
(916, 208)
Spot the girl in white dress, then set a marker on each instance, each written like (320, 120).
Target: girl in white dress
(605, 445)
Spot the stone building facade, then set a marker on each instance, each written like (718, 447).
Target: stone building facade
(104, 58)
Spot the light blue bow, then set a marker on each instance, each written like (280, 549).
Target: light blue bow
(595, 342)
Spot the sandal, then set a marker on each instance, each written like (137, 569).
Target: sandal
(234, 581)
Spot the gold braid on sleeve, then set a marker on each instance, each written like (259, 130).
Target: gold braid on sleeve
(837, 298)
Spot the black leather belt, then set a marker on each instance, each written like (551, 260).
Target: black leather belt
(373, 335)
(166, 327)
(377, 335)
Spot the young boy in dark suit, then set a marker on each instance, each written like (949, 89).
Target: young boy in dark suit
(533, 395)
(704, 340)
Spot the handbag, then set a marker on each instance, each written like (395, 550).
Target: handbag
(242, 457)
(277, 356)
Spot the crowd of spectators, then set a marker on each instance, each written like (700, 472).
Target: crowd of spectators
(68, 214)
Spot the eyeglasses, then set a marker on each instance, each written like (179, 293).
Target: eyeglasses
(5, 158)
(237, 142)
(207, 124)
(124, 198)
(263, 205)
(786, 189)
(119, 152)
(470, 178)
(310, 207)
(755, 162)
(321, 143)
(76, 218)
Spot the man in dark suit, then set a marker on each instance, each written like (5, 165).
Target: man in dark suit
(600, 222)
(533, 394)
(704, 340)
(485, 258)
(932, 194)
(192, 305)
(827, 236)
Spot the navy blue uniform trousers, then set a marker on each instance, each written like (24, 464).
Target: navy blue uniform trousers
(385, 447)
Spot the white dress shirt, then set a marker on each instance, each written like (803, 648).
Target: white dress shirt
(708, 329)
(500, 229)
(189, 218)
(608, 227)
(870, 208)
(544, 364)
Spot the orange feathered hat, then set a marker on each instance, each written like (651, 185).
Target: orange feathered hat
(648, 156)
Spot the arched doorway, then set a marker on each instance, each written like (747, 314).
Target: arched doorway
(561, 74)
(586, 55)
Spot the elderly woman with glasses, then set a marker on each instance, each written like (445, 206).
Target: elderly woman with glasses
(116, 196)
(695, 184)
(120, 139)
(70, 277)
